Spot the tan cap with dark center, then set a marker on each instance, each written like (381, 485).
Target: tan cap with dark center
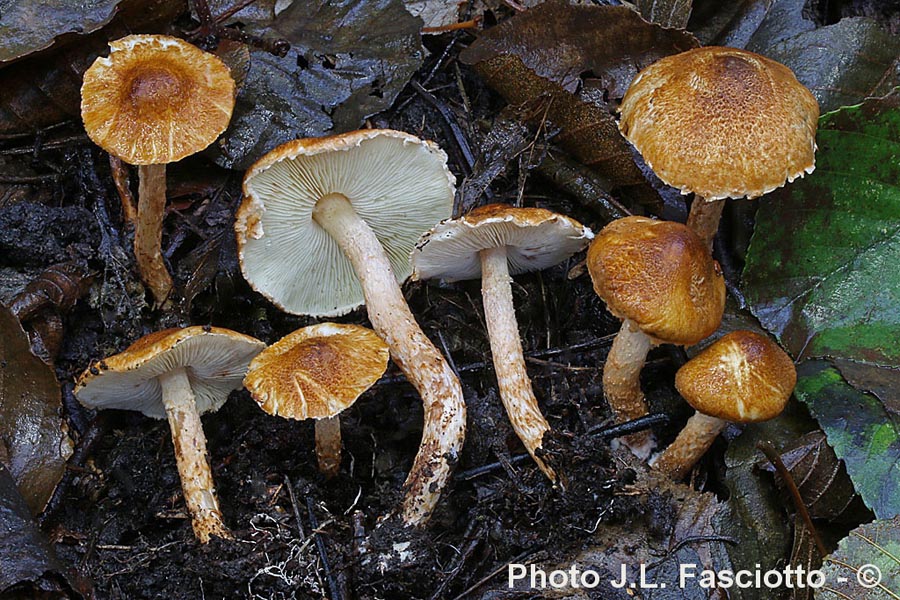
(743, 377)
(721, 122)
(316, 372)
(156, 99)
(659, 275)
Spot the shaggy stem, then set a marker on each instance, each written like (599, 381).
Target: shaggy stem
(328, 445)
(704, 218)
(691, 444)
(148, 231)
(506, 349)
(622, 383)
(190, 455)
(445, 412)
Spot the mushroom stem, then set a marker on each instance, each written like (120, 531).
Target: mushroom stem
(622, 383)
(444, 425)
(691, 444)
(328, 445)
(148, 231)
(506, 348)
(704, 218)
(190, 455)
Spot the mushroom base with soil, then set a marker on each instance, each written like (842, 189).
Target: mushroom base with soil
(506, 349)
(191, 455)
(689, 447)
(622, 383)
(445, 412)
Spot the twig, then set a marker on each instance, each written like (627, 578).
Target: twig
(470, 24)
(772, 454)
(493, 573)
(290, 489)
(586, 186)
(323, 554)
(604, 432)
(609, 432)
(458, 136)
(474, 538)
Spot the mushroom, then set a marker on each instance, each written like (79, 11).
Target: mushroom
(177, 374)
(328, 223)
(721, 123)
(659, 278)
(743, 377)
(316, 373)
(492, 242)
(155, 100)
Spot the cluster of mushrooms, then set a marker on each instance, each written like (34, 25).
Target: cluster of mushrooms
(330, 224)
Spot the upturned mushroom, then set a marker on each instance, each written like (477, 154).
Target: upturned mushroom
(659, 278)
(721, 123)
(493, 242)
(316, 373)
(743, 377)
(155, 100)
(329, 223)
(177, 374)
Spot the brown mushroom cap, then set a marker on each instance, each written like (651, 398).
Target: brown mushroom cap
(215, 359)
(661, 276)
(535, 239)
(316, 372)
(743, 377)
(156, 99)
(721, 122)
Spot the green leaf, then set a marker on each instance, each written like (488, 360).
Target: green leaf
(871, 555)
(862, 432)
(822, 265)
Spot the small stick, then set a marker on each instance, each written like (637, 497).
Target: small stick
(492, 574)
(470, 24)
(323, 554)
(772, 454)
(609, 432)
(290, 489)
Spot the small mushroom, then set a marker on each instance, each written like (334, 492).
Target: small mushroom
(721, 123)
(316, 373)
(155, 100)
(492, 242)
(328, 223)
(177, 374)
(743, 377)
(659, 278)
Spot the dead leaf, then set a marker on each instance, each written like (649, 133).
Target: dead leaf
(28, 26)
(348, 61)
(668, 13)
(560, 42)
(31, 429)
(27, 557)
(820, 476)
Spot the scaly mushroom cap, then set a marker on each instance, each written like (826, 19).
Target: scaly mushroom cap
(215, 359)
(660, 275)
(535, 239)
(316, 372)
(721, 122)
(156, 99)
(398, 184)
(743, 377)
